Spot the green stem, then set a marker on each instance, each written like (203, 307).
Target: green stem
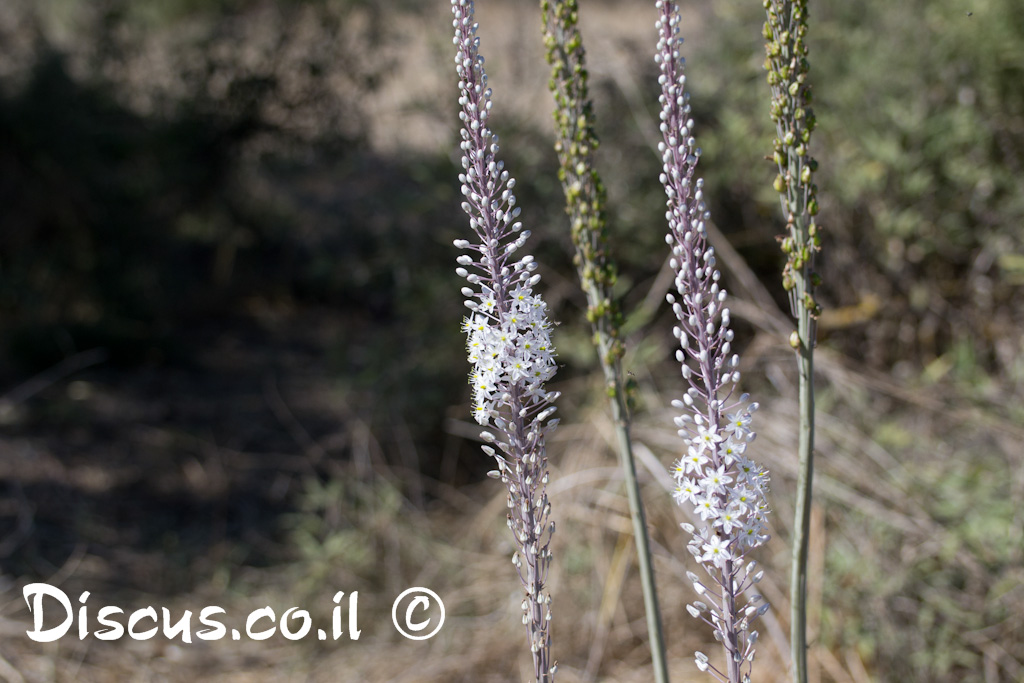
(636, 511)
(786, 63)
(805, 478)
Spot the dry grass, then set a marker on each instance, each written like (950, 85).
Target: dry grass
(457, 545)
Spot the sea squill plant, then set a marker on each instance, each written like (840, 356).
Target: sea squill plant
(785, 31)
(715, 478)
(576, 144)
(508, 340)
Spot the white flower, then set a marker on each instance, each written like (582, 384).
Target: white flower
(679, 470)
(488, 304)
(707, 507)
(738, 424)
(744, 498)
(716, 550)
(731, 518)
(747, 471)
(686, 491)
(729, 450)
(695, 461)
(714, 481)
(707, 438)
(752, 533)
(510, 349)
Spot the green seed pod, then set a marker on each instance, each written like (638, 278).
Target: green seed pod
(811, 305)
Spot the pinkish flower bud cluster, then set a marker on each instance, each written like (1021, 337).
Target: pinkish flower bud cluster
(715, 477)
(508, 339)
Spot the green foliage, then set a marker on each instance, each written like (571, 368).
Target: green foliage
(921, 140)
(929, 610)
(943, 152)
(338, 528)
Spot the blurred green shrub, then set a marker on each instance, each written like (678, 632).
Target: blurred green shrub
(921, 142)
(941, 603)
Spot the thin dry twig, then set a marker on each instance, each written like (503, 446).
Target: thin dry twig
(44, 380)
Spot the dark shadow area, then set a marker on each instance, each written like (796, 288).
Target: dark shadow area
(244, 297)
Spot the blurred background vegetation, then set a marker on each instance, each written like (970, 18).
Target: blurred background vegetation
(231, 369)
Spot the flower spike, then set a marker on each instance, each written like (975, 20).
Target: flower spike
(508, 339)
(714, 477)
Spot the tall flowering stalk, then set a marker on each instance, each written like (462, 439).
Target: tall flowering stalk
(715, 477)
(507, 339)
(786, 63)
(575, 144)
